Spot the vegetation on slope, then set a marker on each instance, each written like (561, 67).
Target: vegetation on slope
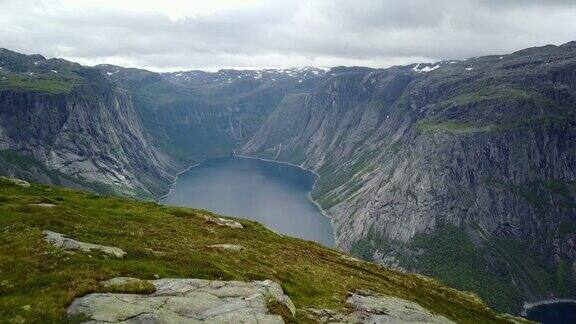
(38, 281)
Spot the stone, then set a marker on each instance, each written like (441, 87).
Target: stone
(370, 308)
(45, 205)
(350, 258)
(64, 242)
(229, 247)
(18, 182)
(185, 301)
(223, 222)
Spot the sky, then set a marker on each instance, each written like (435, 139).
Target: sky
(173, 35)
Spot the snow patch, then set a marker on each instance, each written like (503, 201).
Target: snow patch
(427, 68)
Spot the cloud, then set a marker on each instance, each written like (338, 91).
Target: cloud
(265, 33)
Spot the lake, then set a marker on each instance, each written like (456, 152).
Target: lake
(561, 312)
(274, 194)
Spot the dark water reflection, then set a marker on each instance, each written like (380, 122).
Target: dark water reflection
(272, 193)
(561, 312)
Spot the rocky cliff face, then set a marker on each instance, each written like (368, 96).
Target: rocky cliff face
(196, 114)
(465, 170)
(127, 131)
(78, 124)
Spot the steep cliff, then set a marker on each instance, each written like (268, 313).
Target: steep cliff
(75, 122)
(464, 170)
(123, 130)
(195, 114)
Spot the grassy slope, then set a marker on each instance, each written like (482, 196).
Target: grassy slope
(171, 242)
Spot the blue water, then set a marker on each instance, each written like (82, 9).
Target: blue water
(557, 313)
(272, 193)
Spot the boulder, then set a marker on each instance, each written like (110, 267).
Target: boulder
(371, 308)
(18, 182)
(64, 242)
(44, 205)
(223, 222)
(186, 301)
(228, 247)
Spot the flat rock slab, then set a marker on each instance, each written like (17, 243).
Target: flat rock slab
(64, 242)
(44, 205)
(223, 222)
(373, 309)
(186, 301)
(228, 247)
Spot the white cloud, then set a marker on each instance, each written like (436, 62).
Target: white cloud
(174, 35)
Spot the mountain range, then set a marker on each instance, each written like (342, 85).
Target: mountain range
(463, 170)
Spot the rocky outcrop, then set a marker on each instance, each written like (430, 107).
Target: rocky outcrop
(227, 247)
(486, 145)
(187, 301)
(370, 308)
(17, 182)
(223, 222)
(66, 243)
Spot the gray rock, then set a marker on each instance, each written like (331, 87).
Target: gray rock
(186, 301)
(223, 222)
(229, 247)
(368, 308)
(44, 205)
(64, 242)
(18, 182)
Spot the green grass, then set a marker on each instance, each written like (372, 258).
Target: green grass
(165, 241)
(40, 83)
(449, 255)
(451, 127)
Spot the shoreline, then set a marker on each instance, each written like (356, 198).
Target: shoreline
(316, 178)
(171, 186)
(528, 305)
(309, 195)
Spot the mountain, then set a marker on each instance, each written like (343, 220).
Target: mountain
(62, 123)
(462, 170)
(54, 269)
(128, 131)
(195, 114)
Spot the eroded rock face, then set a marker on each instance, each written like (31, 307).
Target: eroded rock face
(186, 301)
(487, 145)
(64, 242)
(91, 133)
(368, 308)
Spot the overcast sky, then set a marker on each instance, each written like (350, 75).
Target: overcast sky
(172, 35)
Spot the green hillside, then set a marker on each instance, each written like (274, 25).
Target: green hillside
(38, 280)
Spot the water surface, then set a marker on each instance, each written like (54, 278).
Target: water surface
(561, 312)
(274, 194)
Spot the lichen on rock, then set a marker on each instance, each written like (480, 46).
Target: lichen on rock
(186, 301)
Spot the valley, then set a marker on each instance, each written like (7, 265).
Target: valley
(461, 170)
